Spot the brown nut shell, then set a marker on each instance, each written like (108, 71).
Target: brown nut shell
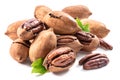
(90, 41)
(59, 59)
(70, 41)
(61, 22)
(41, 11)
(11, 31)
(96, 27)
(19, 50)
(30, 29)
(43, 44)
(78, 11)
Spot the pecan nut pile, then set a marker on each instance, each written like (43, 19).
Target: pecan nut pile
(56, 37)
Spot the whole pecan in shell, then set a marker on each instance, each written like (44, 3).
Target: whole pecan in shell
(43, 44)
(61, 22)
(11, 31)
(19, 50)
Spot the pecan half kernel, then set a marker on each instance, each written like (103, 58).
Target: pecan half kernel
(105, 45)
(94, 61)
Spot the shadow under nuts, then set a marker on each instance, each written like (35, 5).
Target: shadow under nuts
(30, 29)
(78, 11)
(70, 41)
(90, 41)
(19, 50)
(94, 61)
(96, 27)
(12, 29)
(59, 59)
(61, 22)
(43, 44)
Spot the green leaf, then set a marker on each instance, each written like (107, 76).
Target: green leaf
(40, 70)
(37, 66)
(86, 28)
(37, 62)
(83, 27)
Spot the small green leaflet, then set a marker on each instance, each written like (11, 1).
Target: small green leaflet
(83, 27)
(37, 66)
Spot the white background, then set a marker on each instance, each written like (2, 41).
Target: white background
(106, 11)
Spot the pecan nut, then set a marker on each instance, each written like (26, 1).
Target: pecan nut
(11, 31)
(70, 41)
(61, 22)
(94, 61)
(105, 45)
(96, 27)
(42, 45)
(40, 11)
(19, 50)
(59, 59)
(30, 29)
(90, 41)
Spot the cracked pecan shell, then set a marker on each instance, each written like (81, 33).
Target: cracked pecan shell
(90, 41)
(59, 59)
(30, 29)
(70, 41)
